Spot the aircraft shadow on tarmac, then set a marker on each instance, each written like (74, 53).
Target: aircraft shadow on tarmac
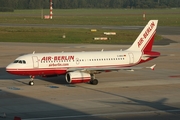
(158, 105)
(34, 109)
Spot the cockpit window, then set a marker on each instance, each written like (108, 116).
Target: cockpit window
(16, 61)
(20, 61)
(24, 62)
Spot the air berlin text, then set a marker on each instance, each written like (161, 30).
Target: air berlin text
(55, 58)
(146, 33)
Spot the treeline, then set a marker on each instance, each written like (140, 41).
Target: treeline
(72, 4)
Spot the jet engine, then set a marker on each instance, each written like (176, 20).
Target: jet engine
(77, 77)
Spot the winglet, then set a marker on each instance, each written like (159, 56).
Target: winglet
(152, 67)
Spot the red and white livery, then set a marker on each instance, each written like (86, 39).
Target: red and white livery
(80, 67)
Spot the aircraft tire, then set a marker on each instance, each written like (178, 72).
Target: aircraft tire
(31, 83)
(94, 82)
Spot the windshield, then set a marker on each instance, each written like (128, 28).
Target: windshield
(20, 61)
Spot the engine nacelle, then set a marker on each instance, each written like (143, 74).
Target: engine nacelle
(77, 77)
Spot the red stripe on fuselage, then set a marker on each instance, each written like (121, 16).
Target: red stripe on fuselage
(36, 72)
(55, 71)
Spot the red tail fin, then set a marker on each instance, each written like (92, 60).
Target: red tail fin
(145, 40)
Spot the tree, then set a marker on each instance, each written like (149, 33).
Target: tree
(31, 4)
(69, 4)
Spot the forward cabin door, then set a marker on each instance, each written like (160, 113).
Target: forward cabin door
(131, 58)
(35, 62)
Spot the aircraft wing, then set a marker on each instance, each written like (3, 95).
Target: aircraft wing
(109, 69)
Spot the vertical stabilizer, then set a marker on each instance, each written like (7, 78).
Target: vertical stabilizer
(145, 40)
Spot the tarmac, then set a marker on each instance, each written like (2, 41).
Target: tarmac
(123, 95)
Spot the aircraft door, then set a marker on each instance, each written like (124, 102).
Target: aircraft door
(35, 62)
(131, 58)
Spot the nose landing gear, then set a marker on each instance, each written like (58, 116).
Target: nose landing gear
(31, 83)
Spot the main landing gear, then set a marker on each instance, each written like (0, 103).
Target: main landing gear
(93, 81)
(31, 83)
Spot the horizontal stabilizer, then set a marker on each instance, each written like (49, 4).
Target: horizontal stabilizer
(152, 67)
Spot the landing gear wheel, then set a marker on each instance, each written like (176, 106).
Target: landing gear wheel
(94, 82)
(31, 83)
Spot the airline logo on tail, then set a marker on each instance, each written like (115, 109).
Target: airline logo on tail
(145, 39)
(146, 33)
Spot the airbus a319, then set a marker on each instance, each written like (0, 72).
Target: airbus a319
(81, 67)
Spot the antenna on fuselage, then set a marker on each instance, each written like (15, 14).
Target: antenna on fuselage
(33, 52)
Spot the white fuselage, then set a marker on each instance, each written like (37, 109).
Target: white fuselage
(78, 60)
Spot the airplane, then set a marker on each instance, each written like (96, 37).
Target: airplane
(81, 67)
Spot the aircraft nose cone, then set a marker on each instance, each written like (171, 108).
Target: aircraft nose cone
(10, 68)
(7, 67)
